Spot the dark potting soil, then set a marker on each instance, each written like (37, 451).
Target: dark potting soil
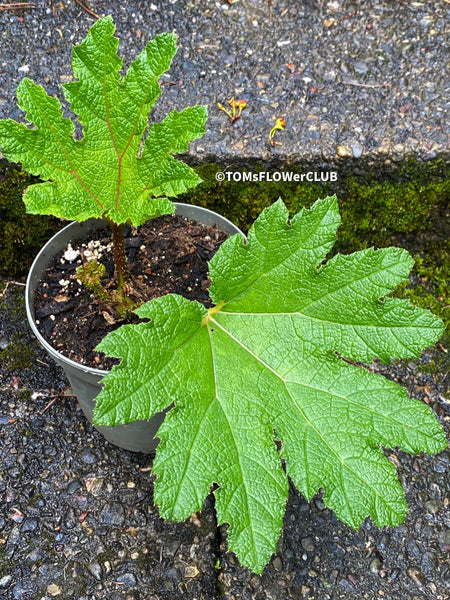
(168, 254)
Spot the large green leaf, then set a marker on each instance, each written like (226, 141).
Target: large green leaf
(271, 362)
(106, 173)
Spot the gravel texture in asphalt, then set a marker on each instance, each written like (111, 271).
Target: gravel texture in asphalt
(77, 519)
(76, 514)
(352, 79)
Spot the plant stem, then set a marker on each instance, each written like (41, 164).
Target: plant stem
(120, 259)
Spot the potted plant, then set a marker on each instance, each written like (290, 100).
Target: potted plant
(111, 177)
(263, 385)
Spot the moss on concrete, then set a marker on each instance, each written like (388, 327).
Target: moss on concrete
(17, 354)
(373, 206)
(21, 235)
(243, 202)
(429, 286)
(406, 207)
(401, 204)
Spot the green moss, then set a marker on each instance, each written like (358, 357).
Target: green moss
(5, 563)
(17, 354)
(21, 235)
(34, 501)
(25, 394)
(374, 212)
(26, 433)
(242, 202)
(403, 207)
(429, 287)
(372, 209)
(12, 303)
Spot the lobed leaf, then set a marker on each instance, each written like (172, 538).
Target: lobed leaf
(271, 362)
(104, 175)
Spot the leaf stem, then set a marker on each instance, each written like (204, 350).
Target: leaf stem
(120, 259)
(212, 311)
(215, 309)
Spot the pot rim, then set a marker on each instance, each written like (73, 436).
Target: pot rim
(29, 295)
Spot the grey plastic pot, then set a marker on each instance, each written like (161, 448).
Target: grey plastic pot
(139, 436)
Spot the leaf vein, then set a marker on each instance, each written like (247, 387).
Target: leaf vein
(301, 411)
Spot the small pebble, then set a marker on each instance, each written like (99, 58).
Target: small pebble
(29, 525)
(428, 563)
(413, 549)
(87, 456)
(95, 569)
(73, 486)
(416, 576)
(127, 580)
(375, 565)
(308, 544)
(344, 152)
(191, 571)
(22, 590)
(277, 564)
(112, 514)
(433, 506)
(71, 255)
(361, 67)
(5, 581)
(357, 150)
(444, 540)
(35, 555)
(54, 590)
(319, 504)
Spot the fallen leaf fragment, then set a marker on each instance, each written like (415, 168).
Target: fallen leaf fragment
(280, 125)
(190, 572)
